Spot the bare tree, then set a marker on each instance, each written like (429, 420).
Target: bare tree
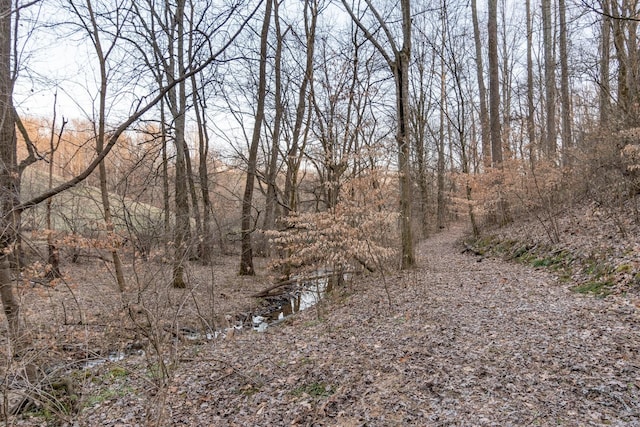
(246, 255)
(440, 209)
(339, 93)
(482, 90)
(10, 206)
(565, 97)
(605, 58)
(302, 110)
(531, 127)
(459, 97)
(177, 103)
(423, 102)
(89, 21)
(398, 61)
(549, 80)
(169, 48)
(494, 86)
(271, 174)
(199, 105)
(9, 178)
(506, 78)
(53, 258)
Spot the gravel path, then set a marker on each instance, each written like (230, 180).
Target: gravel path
(463, 343)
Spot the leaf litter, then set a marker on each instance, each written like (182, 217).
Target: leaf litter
(487, 343)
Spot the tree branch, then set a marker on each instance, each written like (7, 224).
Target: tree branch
(125, 125)
(369, 35)
(33, 156)
(592, 8)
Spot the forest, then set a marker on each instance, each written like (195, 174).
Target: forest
(319, 212)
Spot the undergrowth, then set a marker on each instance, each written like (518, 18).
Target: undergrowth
(592, 275)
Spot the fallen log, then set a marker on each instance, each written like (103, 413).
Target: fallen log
(266, 292)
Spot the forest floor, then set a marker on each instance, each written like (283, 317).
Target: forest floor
(459, 340)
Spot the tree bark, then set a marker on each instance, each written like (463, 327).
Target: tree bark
(398, 62)
(494, 86)
(271, 202)
(9, 180)
(177, 106)
(246, 254)
(482, 90)
(403, 56)
(549, 81)
(564, 86)
(531, 128)
(605, 57)
(100, 133)
(440, 208)
(205, 246)
(293, 154)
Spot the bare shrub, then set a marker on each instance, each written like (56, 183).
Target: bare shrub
(604, 170)
(518, 190)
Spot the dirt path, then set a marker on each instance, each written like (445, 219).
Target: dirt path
(522, 349)
(464, 343)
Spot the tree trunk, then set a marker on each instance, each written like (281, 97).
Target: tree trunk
(633, 56)
(293, 154)
(564, 86)
(421, 109)
(399, 65)
(246, 255)
(605, 57)
(100, 135)
(166, 199)
(622, 59)
(419, 137)
(177, 104)
(182, 226)
(200, 233)
(494, 105)
(550, 80)
(482, 90)
(531, 128)
(271, 202)
(494, 89)
(506, 92)
(402, 58)
(440, 208)
(195, 208)
(9, 180)
(205, 245)
(53, 259)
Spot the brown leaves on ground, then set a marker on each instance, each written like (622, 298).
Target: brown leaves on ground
(465, 343)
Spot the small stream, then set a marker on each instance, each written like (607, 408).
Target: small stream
(115, 356)
(306, 296)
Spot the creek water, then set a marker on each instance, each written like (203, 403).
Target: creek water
(306, 296)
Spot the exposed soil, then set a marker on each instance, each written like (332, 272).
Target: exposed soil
(460, 340)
